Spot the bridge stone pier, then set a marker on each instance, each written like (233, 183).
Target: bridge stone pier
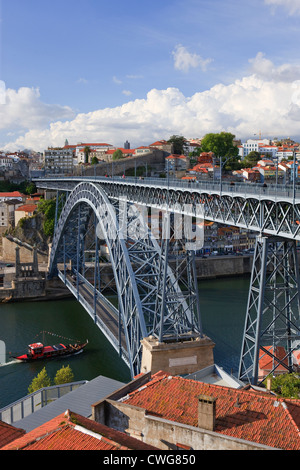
(177, 357)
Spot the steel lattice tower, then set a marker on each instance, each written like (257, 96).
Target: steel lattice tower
(273, 310)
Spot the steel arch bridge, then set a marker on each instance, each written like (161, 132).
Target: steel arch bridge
(150, 299)
(273, 310)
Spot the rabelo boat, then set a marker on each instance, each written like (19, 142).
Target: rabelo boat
(37, 351)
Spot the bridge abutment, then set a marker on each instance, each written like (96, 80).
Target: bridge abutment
(177, 358)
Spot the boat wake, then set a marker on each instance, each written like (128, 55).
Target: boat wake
(9, 363)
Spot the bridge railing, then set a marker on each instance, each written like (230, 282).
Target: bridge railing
(258, 189)
(35, 401)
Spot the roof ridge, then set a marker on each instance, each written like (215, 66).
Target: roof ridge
(154, 379)
(285, 406)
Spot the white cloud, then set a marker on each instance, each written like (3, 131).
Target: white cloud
(292, 6)
(127, 92)
(184, 60)
(2, 92)
(23, 109)
(83, 80)
(265, 68)
(117, 81)
(244, 107)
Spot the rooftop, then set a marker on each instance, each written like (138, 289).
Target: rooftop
(14, 194)
(9, 433)
(27, 208)
(245, 413)
(70, 431)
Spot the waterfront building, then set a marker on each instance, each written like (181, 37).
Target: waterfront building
(58, 160)
(26, 210)
(7, 214)
(172, 412)
(252, 145)
(12, 195)
(96, 149)
(175, 163)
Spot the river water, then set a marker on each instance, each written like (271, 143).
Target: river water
(223, 307)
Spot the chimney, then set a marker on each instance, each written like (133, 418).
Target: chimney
(206, 412)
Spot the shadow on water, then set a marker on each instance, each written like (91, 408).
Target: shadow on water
(20, 323)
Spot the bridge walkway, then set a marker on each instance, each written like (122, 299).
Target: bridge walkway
(103, 313)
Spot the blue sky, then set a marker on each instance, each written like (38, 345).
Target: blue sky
(115, 70)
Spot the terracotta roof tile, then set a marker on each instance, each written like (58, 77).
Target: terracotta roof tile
(243, 414)
(27, 208)
(70, 431)
(9, 433)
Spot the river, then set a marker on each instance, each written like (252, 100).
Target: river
(223, 306)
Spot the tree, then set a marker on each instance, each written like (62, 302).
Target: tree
(30, 188)
(87, 151)
(64, 376)
(223, 147)
(286, 385)
(40, 381)
(117, 155)
(94, 161)
(179, 144)
(252, 158)
(48, 207)
(220, 144)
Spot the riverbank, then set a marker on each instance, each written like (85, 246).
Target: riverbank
(42, 289)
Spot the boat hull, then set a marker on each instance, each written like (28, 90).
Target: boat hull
(50, 353)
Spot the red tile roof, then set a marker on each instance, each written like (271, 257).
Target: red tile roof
(70, 431)
(266, 361)
(13, 194)
(27, 208)
(125, 151)
(258, 417)
(9, 433)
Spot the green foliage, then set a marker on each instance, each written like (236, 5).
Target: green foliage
(286, 385)
(64, 376)
(179, 144)
(30, 188)
(47, 207)
(94, 161)
(86, 154)
(220, 144)
(117, 155)
(40, 381)
(22, 222)
(25, 187)
(251, 159)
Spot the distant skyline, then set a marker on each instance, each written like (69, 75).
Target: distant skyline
(95, 71)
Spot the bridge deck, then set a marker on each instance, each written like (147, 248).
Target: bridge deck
(273, 192)
(101, 311)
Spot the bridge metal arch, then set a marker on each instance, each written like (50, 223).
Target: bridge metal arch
(136, 320)
(93, 197)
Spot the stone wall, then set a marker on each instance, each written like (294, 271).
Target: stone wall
(162, 433)
(155, 159)
(26, 252)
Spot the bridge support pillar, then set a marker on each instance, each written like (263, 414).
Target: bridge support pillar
(177, 358)
(272, 324)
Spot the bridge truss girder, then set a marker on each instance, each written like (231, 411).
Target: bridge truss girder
(271, 216)
(277, 216)
(139, 264)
